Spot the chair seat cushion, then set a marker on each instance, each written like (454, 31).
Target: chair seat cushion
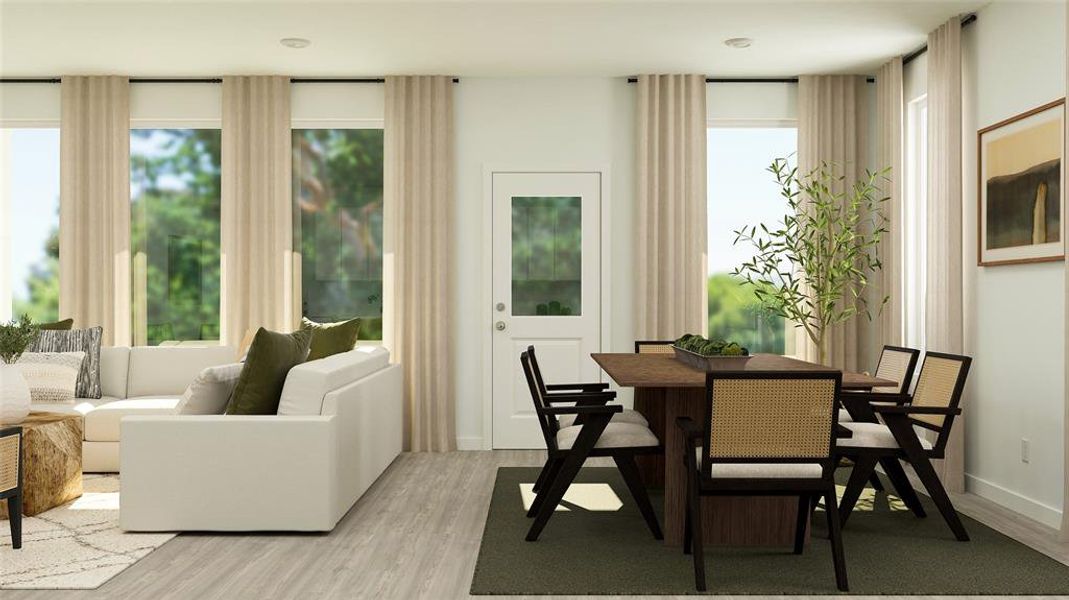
(102, 424)
(616, 435)
(873, 435)
(628, 416)
(762, 470)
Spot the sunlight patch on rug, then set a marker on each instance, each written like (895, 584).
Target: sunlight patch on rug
(594, 497)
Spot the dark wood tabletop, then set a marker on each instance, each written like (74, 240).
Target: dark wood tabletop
(663, 370)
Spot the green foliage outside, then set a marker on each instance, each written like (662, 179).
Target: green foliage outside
(174, 233)
(42, 283)
(337, 185)
(735, 314)
(547, 255)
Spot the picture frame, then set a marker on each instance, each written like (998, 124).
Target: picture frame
(1020, 188)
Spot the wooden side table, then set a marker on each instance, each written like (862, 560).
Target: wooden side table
(51, 461)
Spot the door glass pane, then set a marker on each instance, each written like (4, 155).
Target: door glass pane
(546, 256)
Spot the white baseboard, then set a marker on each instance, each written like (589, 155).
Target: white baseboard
(469, 443)
(1037, 511)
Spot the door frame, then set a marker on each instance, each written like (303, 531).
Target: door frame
(487, 295)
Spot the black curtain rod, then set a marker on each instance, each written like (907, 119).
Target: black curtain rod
(965, 22)
(205, 80)
(747, 80)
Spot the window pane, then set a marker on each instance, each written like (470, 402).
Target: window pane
(29, 232)
(337, 194)
(174, 231)
(742, 193)
(546, 256)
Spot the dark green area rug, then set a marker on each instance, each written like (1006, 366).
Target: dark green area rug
(888, 551)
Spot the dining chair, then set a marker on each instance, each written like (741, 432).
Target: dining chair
(764, 434)
(896, 364)
(569, 447)
(627, 415)
(654, 346)
(933, 406)
(11, 480)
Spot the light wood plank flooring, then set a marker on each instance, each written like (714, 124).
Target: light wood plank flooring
(415, 534)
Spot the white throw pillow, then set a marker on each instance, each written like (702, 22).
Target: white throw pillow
(210, 391)
(51, 376)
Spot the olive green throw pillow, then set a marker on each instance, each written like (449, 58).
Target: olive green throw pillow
(331, 338)
(270, 359)
(64, 325)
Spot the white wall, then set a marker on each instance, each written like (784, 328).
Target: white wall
(1014, 59)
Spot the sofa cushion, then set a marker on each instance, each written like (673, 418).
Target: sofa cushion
(210, 391)
(168, 370)
(77, 340)
(80, 406)
(270, 358)
(329, 339)
(102, 424)
(51, 376)
(114, 366)
(307, 384)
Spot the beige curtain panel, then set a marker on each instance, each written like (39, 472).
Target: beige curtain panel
(890, 105)
(94, 214)
(832, 120)
(672, 204)
(258, 284)
(943, 308)
(419, 220)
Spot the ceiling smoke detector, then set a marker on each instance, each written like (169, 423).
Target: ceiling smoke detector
(294, 42)
(739, 42)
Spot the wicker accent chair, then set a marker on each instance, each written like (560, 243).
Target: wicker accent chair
(897, 364)
(593, 435)
(654, 347)
(765, 433)
(11, 480)
(933, 406)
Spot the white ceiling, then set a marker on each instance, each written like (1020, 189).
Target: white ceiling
(472, 38)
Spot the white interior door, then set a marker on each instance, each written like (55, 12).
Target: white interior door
(546, 290)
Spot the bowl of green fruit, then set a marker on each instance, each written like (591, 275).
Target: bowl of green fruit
(702, 353)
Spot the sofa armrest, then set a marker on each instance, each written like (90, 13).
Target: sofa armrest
(228, 473)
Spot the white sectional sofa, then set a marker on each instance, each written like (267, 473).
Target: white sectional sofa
(135, 381)
(339, 425)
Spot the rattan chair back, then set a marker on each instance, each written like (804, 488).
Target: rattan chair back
(897, 364)
(10, 458)
(940, 384)
(654, 347)
(548, 423)
(770, 417)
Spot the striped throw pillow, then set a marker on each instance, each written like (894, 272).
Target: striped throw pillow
(76, 340)
(51, 376)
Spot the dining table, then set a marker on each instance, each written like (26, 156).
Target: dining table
(666, 388)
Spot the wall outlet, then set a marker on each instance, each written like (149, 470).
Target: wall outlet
(1025, 450)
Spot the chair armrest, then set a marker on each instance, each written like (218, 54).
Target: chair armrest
(584, 387)
(878, 397)
(916, 410)
(584, 399)
(598, 409)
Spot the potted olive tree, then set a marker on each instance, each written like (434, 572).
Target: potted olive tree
(14, 393)
(814, 267)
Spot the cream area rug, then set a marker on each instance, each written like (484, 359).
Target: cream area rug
(78, 545)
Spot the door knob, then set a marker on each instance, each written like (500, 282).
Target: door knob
(500, 326)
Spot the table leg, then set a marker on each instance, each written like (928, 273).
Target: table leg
(735, 521)
(650, 402)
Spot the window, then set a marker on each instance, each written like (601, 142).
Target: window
(742, 193)
(29, 196)
(174, 235)
(337, 194)
(915, 232)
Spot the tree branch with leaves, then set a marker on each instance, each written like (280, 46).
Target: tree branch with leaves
(814, 267)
